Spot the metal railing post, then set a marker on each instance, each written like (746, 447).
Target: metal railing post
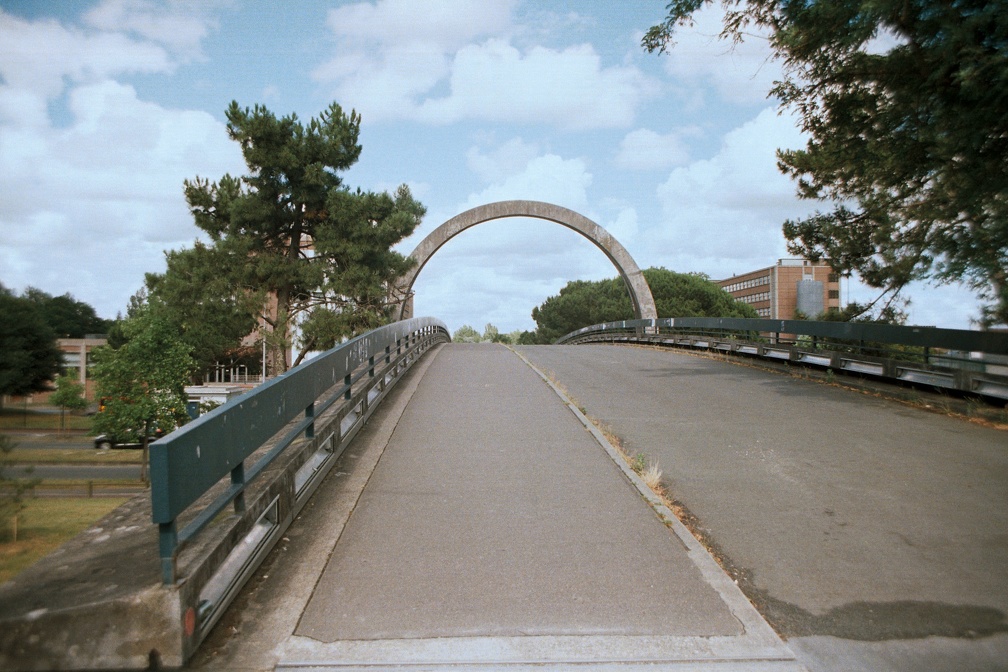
(238, 478)
(309, 412)
(167, 542)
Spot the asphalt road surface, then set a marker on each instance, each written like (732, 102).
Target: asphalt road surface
(872, 535)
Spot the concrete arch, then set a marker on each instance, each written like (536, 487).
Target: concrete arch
(640, 293)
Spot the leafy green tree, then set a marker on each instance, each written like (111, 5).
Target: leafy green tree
(67, 317)
(466, 334)
(141, 385)
(291, 231)
(859, 312)
(906, 108)
(692, 295)
(29, 357)
(527, 338)
(582, 303)
(196, 296)
(69, 394)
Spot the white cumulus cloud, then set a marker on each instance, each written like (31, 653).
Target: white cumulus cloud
(644, 149)
(448, 24)
(178, 25)
(547, 178)
(494, 81)
(723, 215)
(496, 165)
(441, 63)
(70, 54)
(100, 189)
(739, 73)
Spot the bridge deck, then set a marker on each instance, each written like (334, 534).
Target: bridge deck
(495, 530)
(870, 533)
(493, 513)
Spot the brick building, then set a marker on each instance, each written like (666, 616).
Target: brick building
(77, 358)
(778, 291)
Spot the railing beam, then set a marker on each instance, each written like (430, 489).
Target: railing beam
(906, 354)
(189, 462)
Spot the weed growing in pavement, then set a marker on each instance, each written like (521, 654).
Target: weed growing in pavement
(652, 477)
(638, 463)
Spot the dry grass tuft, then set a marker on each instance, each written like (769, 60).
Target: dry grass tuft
(613, 440)
(652, 477)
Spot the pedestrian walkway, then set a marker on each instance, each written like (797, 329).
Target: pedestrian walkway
(496, 532)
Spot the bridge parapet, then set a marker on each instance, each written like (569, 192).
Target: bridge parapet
(973, 362)
(261, 455)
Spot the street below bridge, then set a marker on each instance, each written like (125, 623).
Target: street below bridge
(476, 521)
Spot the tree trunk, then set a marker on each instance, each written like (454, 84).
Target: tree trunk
(145, 441)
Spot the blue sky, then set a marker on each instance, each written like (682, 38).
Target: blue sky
(107, 106)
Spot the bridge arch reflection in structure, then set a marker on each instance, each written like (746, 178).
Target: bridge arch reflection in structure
(640, 293)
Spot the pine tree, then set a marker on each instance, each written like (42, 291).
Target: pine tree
(317, 254)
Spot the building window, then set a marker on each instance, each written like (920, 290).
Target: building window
(834, 293)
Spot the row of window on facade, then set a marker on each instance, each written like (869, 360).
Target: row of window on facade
(754, 298)
(746, 284)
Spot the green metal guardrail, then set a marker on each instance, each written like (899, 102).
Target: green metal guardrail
(956, 359)
(195, 459)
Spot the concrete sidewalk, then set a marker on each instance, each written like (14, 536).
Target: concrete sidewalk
(496, 532)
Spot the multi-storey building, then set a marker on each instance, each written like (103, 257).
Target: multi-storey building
(791, 285)
(77, 359)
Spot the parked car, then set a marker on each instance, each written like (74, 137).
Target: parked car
(107, 441)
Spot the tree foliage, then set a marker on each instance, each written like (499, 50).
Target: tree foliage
(69, 394)
(67, 317)
(14, 488)
(491, 334)
(29, 357)
(141, 384)
(467, 334)
(195, 295)
(313, 253)
(582, 303)
(859, 312)
(905, 104)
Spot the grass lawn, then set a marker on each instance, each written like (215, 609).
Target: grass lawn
(17, 418)
(72, 456)
(44, 525)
